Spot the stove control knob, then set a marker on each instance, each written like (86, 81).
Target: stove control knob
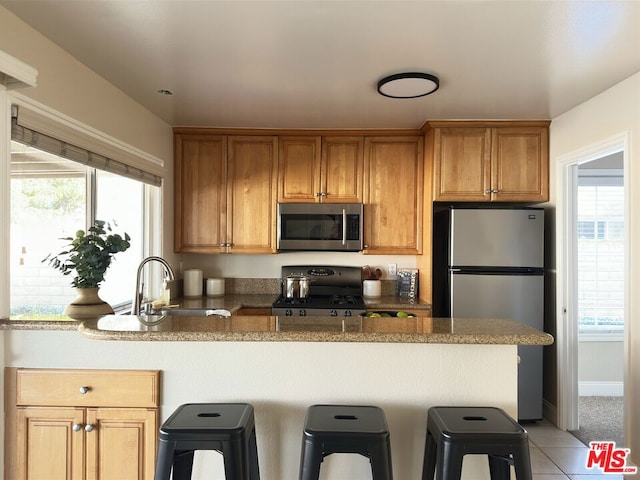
(288, 312)
(302, 313)
(347, 313)
(334, 313)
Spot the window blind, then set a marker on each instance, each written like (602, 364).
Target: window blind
(66, 150)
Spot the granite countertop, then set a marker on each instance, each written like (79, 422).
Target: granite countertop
(423, 329)
(314, 329)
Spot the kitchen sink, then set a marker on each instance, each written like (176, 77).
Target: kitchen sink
(195, 312)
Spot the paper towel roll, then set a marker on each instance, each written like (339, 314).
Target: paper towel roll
(192, 283)
(215, 287)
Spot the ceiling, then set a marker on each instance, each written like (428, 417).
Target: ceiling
(315, 64)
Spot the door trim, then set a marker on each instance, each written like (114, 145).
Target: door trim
(566, 299)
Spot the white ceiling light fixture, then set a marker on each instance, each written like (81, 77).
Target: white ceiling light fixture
(408, 85)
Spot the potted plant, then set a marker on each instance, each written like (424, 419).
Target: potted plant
(88, 256)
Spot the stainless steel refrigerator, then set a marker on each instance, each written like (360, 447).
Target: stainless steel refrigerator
(489, 263)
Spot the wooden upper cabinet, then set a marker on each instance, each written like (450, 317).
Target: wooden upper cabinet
(200, 193)
(251, 194)
(520, 164)
(393, 195)
(225, 190)
(462, 163)
(320, 169)
(491, 163)
(341, 169)
(299, 169)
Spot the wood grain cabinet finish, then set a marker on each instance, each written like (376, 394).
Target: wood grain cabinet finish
(479, 163)
(56, 431)
(320, 169)
(225, 191)
(251, 193)
(200, 178)
(393, 195)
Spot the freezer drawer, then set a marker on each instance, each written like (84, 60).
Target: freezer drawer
(497, 237)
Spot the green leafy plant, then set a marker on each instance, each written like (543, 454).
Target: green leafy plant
(89, 254)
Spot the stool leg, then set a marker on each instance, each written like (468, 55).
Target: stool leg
(164, 460)
(449, 463)
(182, 464)
(253, 456)
(499, 467)
(310, 460)
(429, 461)
(522, 463)
(236, 461)
(380, 458)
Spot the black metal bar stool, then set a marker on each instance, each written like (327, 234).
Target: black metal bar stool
(345, 429)
(228, 428)
(453, 432)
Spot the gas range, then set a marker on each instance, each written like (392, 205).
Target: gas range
(333, 292)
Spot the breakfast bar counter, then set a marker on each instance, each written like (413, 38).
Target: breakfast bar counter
(283, 365)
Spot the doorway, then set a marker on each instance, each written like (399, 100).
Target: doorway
(591, 309)
(599, 278)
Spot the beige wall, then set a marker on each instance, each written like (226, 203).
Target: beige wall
(615, 111)
(68, 87)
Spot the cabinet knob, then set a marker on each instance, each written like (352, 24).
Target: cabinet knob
(77, 427)
(89, 427)
(318, 194)
(487, 191)
(222, 245)
(84, 390)
(495, 191)
(323, 194)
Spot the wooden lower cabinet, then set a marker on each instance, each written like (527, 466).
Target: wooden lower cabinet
(97, 439)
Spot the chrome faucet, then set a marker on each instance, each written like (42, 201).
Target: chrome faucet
(137, 298)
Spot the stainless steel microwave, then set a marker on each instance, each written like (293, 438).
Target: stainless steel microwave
(320, 226)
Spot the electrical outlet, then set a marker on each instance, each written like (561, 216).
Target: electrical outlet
(392, 268)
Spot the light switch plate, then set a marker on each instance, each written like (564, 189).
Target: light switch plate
(392, 268)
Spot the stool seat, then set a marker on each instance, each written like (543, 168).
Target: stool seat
(228, 428)
(453, 432)
(345, 429)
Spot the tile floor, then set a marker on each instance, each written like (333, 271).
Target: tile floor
(558, 455)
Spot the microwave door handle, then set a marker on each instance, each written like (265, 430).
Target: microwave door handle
(344, 226)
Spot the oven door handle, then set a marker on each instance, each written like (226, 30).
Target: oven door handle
(344, 226)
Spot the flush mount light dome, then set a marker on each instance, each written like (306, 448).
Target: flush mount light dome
(408, 85)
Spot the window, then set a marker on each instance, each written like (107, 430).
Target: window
(51, 198)
(600, 248)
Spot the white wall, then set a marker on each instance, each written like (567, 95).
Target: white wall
(600, 368)
(613, 112)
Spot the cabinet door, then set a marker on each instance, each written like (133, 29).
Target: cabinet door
(47, 445)
(462, 164)
(122, 443)
(299, 169)
(520, 164)
(251, 194)
(341, 169)
(200, 193)
(393, 193)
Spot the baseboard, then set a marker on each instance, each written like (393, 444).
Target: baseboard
(600, 389)
(550, 412)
